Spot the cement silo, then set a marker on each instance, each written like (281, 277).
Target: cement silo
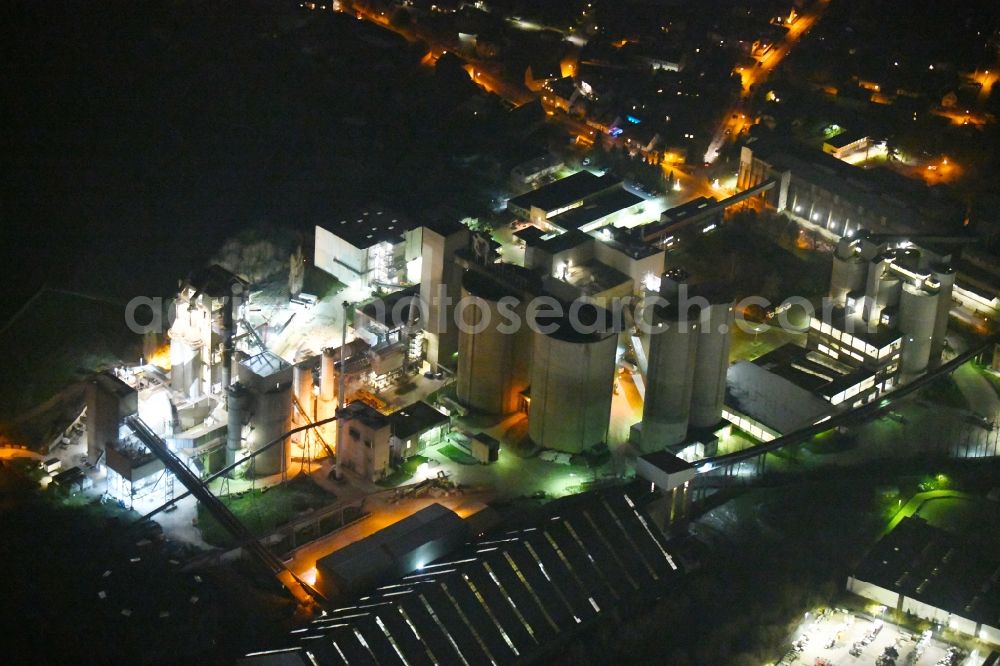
(886, 295)
(708, 391)
(572, 379)
(271, 418)
(302, 381)
(945, 276)
(673, 352)
(917, 315)
(185, 364)
(849, 275)
(238, 401)
(494, 356)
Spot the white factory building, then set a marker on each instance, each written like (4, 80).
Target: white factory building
(372, 248)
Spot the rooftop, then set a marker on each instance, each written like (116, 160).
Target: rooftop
(772, 400)
(387, 552)
(415, 419)
(594, 277)
(560, 242)
(878, 336)
(595, 209)
(948, 571)
(369, 227)
(265, 364)
(508, 598)
(566, 191)
(500, 280)
(366, 414)
(812, 370)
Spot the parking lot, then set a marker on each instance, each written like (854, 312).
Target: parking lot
(833, 634)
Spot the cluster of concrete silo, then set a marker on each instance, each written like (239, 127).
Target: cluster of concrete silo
(688, 360)
(570, 373)
(895, 284)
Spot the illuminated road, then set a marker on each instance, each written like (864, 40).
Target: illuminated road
(735, 120)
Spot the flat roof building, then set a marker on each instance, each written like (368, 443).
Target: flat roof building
(403, 547)
(505, 599)
(950, 579)
(581, 189)
(370, 248)
(766, 405)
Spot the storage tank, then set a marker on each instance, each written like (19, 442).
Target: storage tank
(945, 275)
(708, 391)
(572, 379)
(848, 275)
(302, 380)
(917, 314)
(271, 419)
(887, 294)
(673, 351)
(494, 357)
(238, 400)
(185, 366)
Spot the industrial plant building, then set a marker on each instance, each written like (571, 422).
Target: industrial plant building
(508, 598)
(370, 443)
(840, 198)
(394, 551)
(372, 248)
(572, 377)
(582, 202)
(884, 323)
(934, 575)
(688, 357)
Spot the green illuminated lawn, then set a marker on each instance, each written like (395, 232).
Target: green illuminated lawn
(404, 472)
(456, 455)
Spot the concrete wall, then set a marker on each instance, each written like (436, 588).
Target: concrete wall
(874, 592)
(493, 366)
(367, 454)
(272, 417)
(989, 634)
(441, 278)
(917, 314)
(708, 390)
(669, 382)
(571, 390)
(925, 611)
(339, 258)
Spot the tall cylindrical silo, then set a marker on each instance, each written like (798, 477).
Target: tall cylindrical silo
(848, 275)
(669, 380)
(271, 419)
(917, 314)
(185, 366)
(572, 380)
(887, 294)
(494, 357)
(238, 405)
(945, 275)
(708, 390)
